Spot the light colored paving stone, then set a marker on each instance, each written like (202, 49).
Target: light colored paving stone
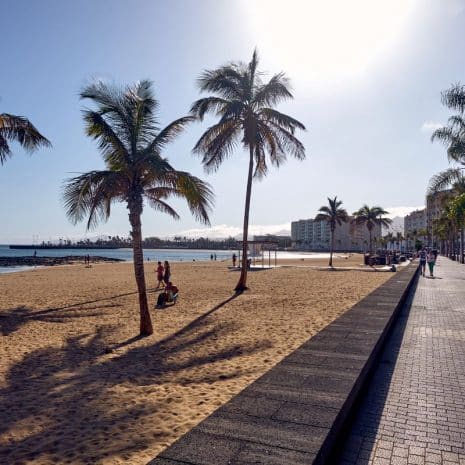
(416, 398)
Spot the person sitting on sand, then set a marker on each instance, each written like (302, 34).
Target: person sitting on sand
(160, 272)
(168, 295)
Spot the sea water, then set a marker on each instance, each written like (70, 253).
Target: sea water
(152, 255)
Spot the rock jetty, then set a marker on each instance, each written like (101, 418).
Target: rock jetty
(52, 261)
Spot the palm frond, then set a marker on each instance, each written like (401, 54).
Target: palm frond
(281, 119)
(208, 105)
(156, 202)
(91, 194)
(454, 97)
(225, 81)
(197, 193)
(444, 180)
(113, 149)
(273, 92)
(444, 135)
(169, 133)
(289, 142)
(21, 130)
(217, 143)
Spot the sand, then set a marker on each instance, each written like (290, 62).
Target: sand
(76, 386)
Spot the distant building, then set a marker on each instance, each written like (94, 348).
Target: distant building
(316, 235)
(415, 221)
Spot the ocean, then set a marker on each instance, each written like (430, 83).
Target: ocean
(154, 255)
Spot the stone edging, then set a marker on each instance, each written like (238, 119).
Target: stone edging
(294, 413)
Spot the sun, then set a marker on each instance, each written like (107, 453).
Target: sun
(321, 39)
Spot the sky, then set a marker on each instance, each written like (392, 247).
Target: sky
(367, 77)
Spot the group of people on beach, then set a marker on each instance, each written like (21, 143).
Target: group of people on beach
(163, 274)
(427, 255)
(170, 291)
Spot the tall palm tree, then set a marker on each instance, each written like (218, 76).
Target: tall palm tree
(244, 105)
(125, 125)
(333, 215)
(455, 211)
(18, 129)
(370, 217)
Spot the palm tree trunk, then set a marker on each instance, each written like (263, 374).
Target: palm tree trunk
(461, 245)
(135, 210)
(242, 283)
(371, 241)
(332, 248)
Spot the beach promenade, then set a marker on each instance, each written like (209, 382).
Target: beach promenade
(414, 409)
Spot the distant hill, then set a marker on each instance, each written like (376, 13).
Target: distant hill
(396, 226)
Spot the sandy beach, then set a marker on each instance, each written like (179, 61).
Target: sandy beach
(77, 386)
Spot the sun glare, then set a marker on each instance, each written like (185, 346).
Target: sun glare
(320, 39)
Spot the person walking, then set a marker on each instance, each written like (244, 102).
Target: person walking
(234, 258)
(431, 259)
(160, 272)
(422, 256)
(167, 275)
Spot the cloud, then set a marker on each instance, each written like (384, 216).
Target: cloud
(401, 211)
(430, 126)
(224, 230)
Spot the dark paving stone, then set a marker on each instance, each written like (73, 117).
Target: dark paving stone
(253, 405)
(315, 415)
(202, 448)
(264, 431)
(258, 454)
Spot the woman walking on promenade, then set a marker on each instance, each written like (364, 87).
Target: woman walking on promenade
(431, 259)
(167, 274)
(422, 255)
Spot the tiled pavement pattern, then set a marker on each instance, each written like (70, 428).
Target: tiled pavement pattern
(414, 409)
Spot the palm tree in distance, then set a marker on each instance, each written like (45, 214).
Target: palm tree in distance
(19, 129)
(333, 215)
(244, 105)
(131, 144)
(370, 217)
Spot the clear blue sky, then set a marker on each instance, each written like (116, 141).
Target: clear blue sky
(367, 80)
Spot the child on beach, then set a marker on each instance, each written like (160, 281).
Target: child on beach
(160, 271)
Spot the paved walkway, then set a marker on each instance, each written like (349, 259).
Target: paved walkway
(414, 409)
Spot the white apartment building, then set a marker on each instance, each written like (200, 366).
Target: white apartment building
(316, 235)
(415, 221)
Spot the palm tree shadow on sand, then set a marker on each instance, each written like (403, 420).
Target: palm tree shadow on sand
(68, 404)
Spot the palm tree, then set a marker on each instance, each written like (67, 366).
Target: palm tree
(455, 211)
(399, 239)
(131, 144)
(18, 129)
(334, 216)
(371, 216)
(453, 137)
(244, 105)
